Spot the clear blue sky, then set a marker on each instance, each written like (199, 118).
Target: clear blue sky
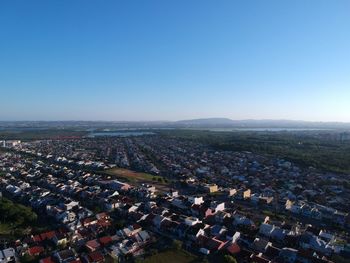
(179, 59)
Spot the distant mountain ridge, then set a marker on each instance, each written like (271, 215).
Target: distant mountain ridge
(208, 121)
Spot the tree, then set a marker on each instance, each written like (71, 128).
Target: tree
(153, 251)
(177, 244)
(27, 259)
(229, 259)
(205, 260)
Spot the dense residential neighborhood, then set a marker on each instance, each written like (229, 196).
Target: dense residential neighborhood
(251, 207)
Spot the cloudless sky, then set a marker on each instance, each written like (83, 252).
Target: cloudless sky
(174, 59)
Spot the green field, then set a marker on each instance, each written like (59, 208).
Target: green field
(27, 135)
(136, 178)
(132, 176)
(171, 256)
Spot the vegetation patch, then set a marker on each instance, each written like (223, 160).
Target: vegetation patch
(27, 135)
(14, 218)
(171, 256)
(136, 177)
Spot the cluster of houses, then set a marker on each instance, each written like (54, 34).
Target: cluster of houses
(60, 199)
(236, 203)
(197, 163)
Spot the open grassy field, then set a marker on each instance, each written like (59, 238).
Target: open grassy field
(171, 256)
(137, 178)
(133, 176)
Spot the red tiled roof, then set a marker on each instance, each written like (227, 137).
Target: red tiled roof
(102, 215)
(93, 244)
(37, 238)
(136, 226)
(47, 235)
(47, 260)
(35, 250)
(233, 248)
(104, 222)
(96, 257)
(105, 240)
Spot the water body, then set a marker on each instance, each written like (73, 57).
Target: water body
(119, 134)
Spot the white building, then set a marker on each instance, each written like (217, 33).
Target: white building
(7, 255)
(196, 200)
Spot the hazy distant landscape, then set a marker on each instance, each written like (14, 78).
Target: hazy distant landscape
(195, 123)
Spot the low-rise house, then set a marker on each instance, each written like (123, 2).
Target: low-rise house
(92, 245)
(36, 250)
(278, 234)
(210, 245)
(220, 216)
(196, 200)
(191, 221)
(260, 244)
(60, 239)
(47, 260)
(105, 241)
(181, 230)
(94, 257)
(66, 256)
(247, 194)
(157, 221)
(194, 231)
(233, 248)
(217, 206)
(272, 253)
(266, 229)
(217, 230)
(211, 188)
(116, 185)
(288, 255)
(326, 236)
(144, 236)
(90, 221)
(259, 258)
(8, 255)
(240, 220)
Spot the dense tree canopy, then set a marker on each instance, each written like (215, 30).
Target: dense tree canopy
(15, 214)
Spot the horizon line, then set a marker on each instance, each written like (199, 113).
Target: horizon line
(172, 121)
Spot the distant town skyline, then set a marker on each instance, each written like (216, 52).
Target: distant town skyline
(175, 60)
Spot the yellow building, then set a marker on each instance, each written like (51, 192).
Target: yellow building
(212, 188)
(246, 194)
